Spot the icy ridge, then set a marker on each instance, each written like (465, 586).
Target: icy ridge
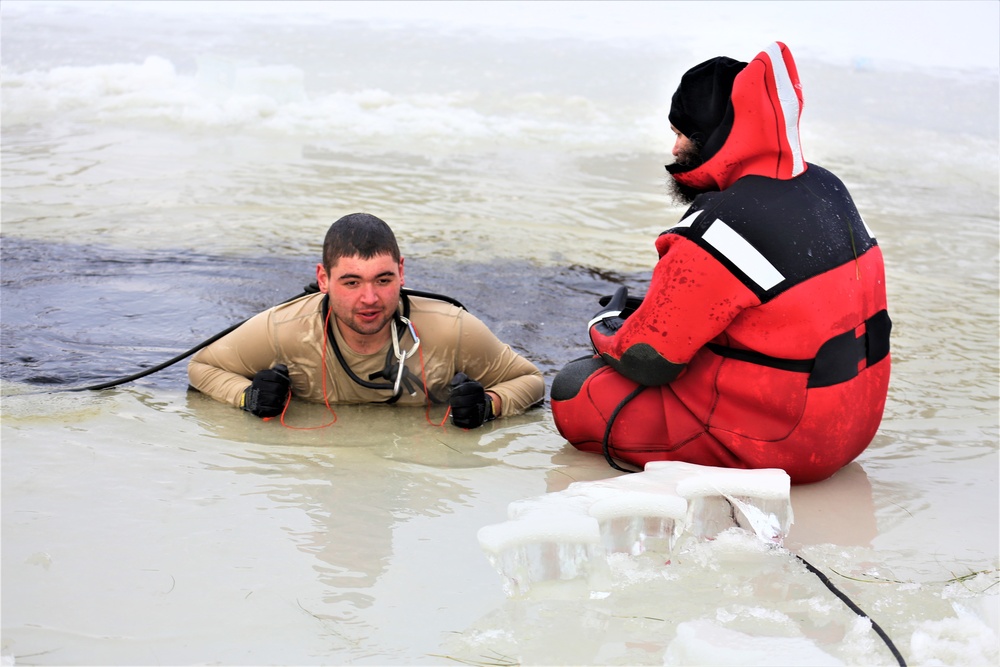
(569, 535)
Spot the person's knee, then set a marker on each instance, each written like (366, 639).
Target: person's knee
(573, 376)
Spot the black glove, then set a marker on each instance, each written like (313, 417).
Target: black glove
(632, 304)
(267, 396)
(609, 319)
(470, 407)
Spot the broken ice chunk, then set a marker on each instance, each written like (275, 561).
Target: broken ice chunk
(560, 546)
(568, 535)
(636, 522)
(720, 498)
(636, 513)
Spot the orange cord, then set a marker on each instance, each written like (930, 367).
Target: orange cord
(423, 379)
(326, 400)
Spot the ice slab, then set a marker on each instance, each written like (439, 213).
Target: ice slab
(569, 534)
(706, 643)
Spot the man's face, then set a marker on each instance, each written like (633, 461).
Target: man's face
(685, 151)
(687, 154)
(364, 293)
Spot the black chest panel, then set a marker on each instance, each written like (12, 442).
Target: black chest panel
(774, 234)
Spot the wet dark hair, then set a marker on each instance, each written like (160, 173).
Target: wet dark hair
(360, 234)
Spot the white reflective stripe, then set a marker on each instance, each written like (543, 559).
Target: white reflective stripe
(688, 221)
(789, 105)
(867, 228)
(737, 250)
(600, 317)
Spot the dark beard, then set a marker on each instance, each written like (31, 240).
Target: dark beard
(680, 194)
(684, 194)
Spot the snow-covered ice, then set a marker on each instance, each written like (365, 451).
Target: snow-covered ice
(568, 535)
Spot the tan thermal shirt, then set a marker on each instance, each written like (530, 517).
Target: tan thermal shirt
(451, 340)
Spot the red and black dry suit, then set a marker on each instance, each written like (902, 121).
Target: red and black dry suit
(763, 341)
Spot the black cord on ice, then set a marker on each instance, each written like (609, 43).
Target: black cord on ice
(855, 608)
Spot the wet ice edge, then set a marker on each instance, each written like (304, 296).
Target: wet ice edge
(569, 535)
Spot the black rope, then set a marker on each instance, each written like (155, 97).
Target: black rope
(606, 443)
(159, 367)
(170, 362)
(853, 607)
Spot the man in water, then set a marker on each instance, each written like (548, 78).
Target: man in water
(364, 339)
(763, 341)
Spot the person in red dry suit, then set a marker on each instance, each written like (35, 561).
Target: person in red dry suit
(763, 340)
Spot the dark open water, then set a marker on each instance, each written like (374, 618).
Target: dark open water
(83, 315)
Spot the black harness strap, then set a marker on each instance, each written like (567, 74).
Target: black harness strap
(406, 291)
(838, 359)
(751, 357)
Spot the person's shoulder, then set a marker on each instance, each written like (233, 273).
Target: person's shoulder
(757, 192)
(442, 316)
(304, 306)
(434, 307)
(815, 172)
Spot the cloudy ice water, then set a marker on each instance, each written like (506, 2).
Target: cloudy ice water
(169, 173)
